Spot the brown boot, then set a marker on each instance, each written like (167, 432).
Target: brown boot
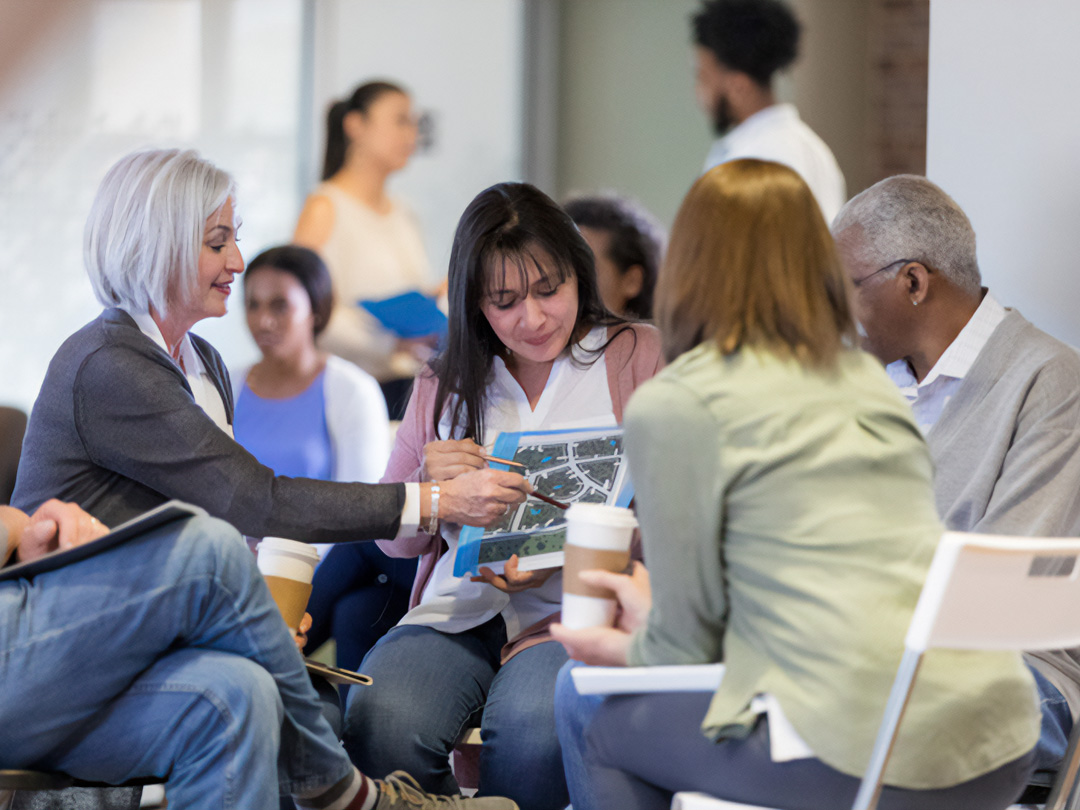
(399, 791)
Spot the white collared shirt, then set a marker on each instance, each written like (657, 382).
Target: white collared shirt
(777, 133)
(209, 399)
(929, 397)
(575, 396)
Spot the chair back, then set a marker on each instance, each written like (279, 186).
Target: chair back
(991, 592)
(12, 429)
(986, 592)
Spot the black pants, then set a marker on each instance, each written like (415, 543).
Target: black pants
(640, 749)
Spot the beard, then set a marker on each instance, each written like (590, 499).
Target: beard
(723, 120)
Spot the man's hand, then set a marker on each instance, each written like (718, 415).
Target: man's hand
(514, 580)
(481, 497)
(57, 525)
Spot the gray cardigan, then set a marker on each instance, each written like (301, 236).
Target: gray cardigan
(116, 429)
(1006, 453)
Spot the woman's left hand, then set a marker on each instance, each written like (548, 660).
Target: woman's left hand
(513, 580)
(301, 634)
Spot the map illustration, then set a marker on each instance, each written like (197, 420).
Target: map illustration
(571, 466)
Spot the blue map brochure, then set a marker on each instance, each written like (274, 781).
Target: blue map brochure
(582, 465)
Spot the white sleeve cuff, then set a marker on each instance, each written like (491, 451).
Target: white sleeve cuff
(410, 513)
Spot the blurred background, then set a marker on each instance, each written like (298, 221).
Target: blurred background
(573, 95)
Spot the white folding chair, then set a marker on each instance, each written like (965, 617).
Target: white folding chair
(982, 592)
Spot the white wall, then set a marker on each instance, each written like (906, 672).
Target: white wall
(83, 82)
(462, 63)
(1004, 141)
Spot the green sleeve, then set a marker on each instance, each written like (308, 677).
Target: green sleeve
(673, 445)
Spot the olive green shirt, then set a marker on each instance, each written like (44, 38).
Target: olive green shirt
(788, 522)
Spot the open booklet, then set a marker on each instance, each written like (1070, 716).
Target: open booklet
(584, 465)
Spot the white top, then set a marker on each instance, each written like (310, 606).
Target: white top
(778, 134)
(355, 419)
(929, 397)
(575, 396)
(370, 256)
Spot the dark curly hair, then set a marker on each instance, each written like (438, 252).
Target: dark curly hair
(755, 37)
(635, 238)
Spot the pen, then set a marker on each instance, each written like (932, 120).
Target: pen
(507, 461)
(547, 499)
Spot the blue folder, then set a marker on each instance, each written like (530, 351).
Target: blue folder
(409, 315)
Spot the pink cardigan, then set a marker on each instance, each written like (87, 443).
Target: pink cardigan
(629, 362)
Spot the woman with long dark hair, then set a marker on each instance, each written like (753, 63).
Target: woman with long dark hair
(531, 347)
(370, 241)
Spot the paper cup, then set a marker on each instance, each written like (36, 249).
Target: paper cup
(288, 567)
(597, 536)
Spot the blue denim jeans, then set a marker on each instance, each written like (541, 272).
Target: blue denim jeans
(357, 596)
(164, 656)
(638, 750)
(1056, 726)
(429, 686)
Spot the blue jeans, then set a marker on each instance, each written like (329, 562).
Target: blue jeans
(638, 750)
(1056, 726)
(429, 686)
(358, 594)
(164, 656)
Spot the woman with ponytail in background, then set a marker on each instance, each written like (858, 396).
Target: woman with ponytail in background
(370, 242)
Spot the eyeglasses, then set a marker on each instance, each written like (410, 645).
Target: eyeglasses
(858, 282)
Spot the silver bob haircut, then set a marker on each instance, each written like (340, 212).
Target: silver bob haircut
(145, 229)
(908, 217)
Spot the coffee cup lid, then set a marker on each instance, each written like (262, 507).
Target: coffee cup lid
(603, 514)
(285, 546)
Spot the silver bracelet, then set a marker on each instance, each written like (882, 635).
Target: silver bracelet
(432, 525)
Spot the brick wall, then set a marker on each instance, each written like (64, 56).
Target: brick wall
(899, 56)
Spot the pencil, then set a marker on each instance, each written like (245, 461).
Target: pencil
(506, 461)
(547, 499)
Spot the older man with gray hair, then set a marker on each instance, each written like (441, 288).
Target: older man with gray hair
(997, 399)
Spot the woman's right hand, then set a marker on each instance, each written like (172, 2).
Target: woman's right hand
(449, 459)
(480, 497)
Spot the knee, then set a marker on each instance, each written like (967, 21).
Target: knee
(247, 695)
(210, 546)
(235, 703)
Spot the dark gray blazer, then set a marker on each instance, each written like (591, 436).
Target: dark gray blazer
(116, 429)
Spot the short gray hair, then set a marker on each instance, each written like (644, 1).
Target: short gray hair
(145, 229)
(908, 217)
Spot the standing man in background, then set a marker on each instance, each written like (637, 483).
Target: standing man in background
(739, 46)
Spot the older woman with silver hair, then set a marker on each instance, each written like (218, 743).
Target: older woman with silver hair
(135, 410)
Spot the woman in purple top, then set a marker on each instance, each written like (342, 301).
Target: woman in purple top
(305, 413)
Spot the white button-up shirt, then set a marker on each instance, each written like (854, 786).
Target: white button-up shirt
(929, 397)
(778, 134)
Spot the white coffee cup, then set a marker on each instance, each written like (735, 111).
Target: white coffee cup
(597, 536)
(288, 568)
